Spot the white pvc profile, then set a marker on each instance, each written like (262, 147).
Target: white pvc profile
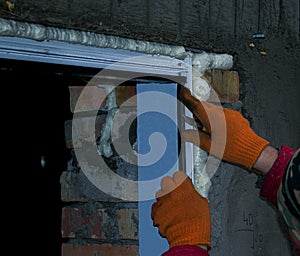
(199, 64)
(41, 33)
(65, 53)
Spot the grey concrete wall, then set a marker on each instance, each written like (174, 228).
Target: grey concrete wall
(243, 224)
(214, 24)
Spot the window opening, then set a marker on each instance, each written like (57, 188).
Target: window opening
(47, 101)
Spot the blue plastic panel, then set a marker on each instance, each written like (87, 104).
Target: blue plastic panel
(158, 155)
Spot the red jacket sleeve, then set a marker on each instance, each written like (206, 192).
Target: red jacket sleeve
(186, 250)
(273, 179)
(281, 188)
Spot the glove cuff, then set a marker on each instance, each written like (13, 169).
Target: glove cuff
(249, 147)
(192, 232)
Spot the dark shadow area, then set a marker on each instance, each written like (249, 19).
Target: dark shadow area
(37, 107)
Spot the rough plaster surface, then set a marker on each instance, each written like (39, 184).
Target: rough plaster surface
(271, 90)
(202, 24)
(244, 224)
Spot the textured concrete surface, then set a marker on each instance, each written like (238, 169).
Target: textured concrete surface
(242, 222)
(211, 25)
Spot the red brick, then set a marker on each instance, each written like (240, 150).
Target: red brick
(91, 98)
(76, 223)
(83, 129)
(94, 97)
(128, 223)
(76, 187)
(225, 83)
(126, 95)
(100, 249)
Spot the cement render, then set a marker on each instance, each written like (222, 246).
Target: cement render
(242, 223)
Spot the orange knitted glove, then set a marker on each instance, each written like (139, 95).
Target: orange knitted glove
(226, 134)
(181, 213)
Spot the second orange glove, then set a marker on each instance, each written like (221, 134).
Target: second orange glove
(181, 214)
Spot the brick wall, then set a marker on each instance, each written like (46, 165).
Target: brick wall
(93, 222)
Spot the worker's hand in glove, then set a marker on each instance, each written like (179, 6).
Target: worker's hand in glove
(226, 134)
(181, 213)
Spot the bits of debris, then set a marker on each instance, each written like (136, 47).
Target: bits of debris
(259, 36)
(10, 5)
(259, 47)
(263, 53)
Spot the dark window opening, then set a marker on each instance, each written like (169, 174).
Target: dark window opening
(38, 104)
